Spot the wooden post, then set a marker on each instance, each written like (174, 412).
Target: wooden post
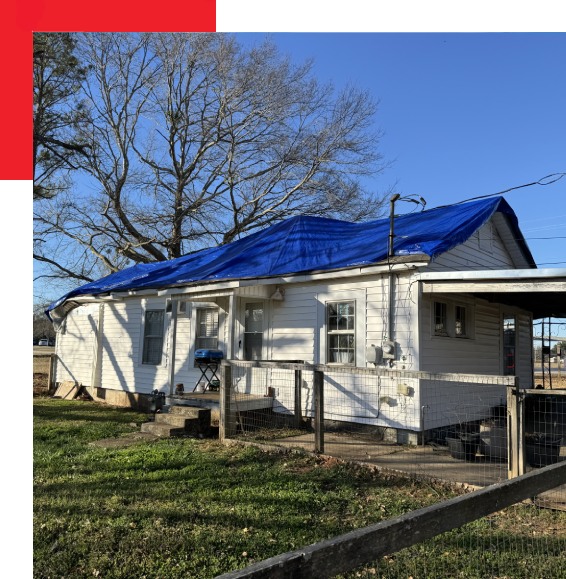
(51, 373)
(298, 398)
(226, 429)
(318, 379)
(174, 307)
(515, 430)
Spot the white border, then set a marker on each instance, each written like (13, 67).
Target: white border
(389, 16)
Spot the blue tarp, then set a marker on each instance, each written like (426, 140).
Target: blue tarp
(308, 244)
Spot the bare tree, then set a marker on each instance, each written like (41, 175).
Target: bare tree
(57, 78)
(195, 140)
(87, 232)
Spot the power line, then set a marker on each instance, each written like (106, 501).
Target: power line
(557, 237)
(548, 180)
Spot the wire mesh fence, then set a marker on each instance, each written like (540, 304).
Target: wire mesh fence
(462, 430)
(447, 425)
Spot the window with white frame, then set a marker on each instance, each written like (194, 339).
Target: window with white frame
(153, 330)
(460, 322)
(341, 332)
(440, 319)
(452, 320)
(206, 329)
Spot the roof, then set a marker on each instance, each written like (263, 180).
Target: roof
(300, 245)
(540, 291)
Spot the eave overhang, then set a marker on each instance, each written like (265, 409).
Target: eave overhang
(539, 291)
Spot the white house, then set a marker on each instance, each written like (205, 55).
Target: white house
(452, 289)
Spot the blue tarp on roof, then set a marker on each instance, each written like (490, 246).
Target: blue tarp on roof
(308, 244)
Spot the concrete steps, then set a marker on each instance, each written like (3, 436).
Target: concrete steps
(180, 421)
(162, 430)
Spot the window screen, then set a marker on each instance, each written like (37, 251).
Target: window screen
(207, 329)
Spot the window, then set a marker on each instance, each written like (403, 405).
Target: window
(206, 329)
(452, 320)
(509, 345)
(440, 319)
(460, 329)
(153, 337)
(253, 331)
(340, 329)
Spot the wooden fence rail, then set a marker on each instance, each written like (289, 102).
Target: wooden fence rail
(363, 546)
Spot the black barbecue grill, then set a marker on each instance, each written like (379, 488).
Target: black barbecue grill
(206, 356)
(207, 361)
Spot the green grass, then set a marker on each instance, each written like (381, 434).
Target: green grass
(195, 508)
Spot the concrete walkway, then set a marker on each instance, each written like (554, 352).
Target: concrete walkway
(432, 462)
(427, 461)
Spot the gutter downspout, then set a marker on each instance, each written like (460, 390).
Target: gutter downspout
(95, 374)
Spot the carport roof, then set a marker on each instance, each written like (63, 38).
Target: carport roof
(540, 291)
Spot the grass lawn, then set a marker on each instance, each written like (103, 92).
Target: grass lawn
(189, 508)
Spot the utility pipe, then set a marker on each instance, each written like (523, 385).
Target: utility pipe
(391, 224)
(391, 316)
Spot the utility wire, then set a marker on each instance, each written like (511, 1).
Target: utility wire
(548, 180)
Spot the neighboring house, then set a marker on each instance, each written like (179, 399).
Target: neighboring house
(456, 292)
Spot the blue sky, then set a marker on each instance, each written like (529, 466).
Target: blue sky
(463, 115)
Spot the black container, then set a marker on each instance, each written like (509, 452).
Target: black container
(542, 451)
(464, 447)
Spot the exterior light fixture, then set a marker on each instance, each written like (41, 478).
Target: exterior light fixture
(278, 295)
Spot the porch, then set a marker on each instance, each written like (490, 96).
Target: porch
(211, 400)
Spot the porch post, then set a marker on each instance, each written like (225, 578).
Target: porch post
(174, 307)
(318, 379)
(230, 324)
(515, 430)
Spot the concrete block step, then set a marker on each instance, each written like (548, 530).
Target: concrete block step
(162, 429)
(190, 412)
(173, 419)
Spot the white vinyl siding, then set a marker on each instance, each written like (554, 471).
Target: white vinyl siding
(75, 347)
(294, 323)
(483, 250)
(484, 353)
(122, 347)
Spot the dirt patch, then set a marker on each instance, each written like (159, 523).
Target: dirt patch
(40, 384)
(558, 382)
(125, 440)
